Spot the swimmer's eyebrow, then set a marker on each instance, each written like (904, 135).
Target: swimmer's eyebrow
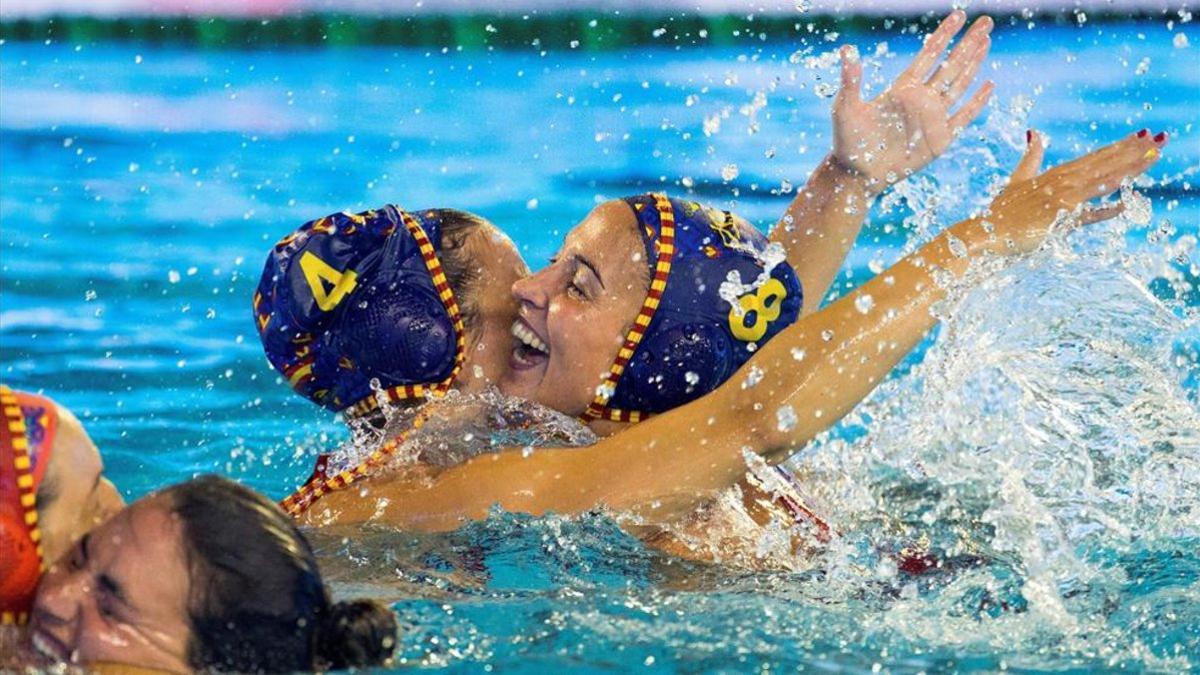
(592, 267)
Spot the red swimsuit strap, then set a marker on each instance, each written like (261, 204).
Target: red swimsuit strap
(20, 537)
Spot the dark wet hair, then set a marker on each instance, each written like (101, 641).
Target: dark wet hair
(257, 600)
(462, 270)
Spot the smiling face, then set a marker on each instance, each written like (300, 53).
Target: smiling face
(575, 313)
(120, 595)
(495, 265)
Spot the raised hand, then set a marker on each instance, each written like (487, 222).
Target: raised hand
(911, 123)
(1021, 216)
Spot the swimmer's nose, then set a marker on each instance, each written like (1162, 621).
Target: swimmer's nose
(59, 597)
(532, 291)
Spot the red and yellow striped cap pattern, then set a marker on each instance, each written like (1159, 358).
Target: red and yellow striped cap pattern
(598, 409)
(22, 467)
(320, 485)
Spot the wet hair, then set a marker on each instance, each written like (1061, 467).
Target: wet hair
(257, 602)
(462, 269)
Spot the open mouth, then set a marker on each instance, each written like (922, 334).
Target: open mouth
(47, 646)
(529, 350)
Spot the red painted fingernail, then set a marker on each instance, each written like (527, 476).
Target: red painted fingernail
(1160, 137)
(1143, 132)
(1028, 136)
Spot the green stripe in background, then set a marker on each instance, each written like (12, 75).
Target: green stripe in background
(586, 31)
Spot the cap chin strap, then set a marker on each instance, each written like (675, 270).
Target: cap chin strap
(409, 392)
(320, 483)
(598, 409)
(21, 563)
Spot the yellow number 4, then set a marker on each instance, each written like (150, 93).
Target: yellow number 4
(319, 274)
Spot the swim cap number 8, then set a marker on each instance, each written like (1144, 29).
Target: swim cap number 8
(763, 305)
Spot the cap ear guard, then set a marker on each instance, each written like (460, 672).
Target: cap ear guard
(354, 298)
(687, 340)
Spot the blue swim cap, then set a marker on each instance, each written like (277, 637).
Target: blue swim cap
(691, 335)
(351, 298)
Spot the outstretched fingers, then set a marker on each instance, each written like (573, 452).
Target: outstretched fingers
(962, 81)
(850, 93)
(1129, 148)
(954, 76)
(1103, 171)
(971, 109)
(934, 46)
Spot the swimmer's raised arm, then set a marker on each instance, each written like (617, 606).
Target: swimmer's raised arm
(821, 367)
(877, 143)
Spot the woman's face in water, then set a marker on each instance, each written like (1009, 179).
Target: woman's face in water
(575, 313)
(120, 595)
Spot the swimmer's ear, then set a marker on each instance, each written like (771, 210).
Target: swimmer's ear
(1031, 162)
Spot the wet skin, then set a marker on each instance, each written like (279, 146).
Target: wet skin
(75, 496)
(489, 344)
(120, 595)
(575, 313)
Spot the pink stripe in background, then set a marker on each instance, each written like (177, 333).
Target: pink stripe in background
(12, 9)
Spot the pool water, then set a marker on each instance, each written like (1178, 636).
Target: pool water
(1048, 440)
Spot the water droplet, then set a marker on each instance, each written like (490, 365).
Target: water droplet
(729, 172)
(1180, 40)
(957, 247)
(864, 303)
(691, 378)
(785, 418)
(89, 295)
(797, 353)
(827, 335)
(173, 276)
(753, 377)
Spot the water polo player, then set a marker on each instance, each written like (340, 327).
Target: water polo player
(908, 125)
(202, 576)
(52, 491)
(664, 466)
(387, 303)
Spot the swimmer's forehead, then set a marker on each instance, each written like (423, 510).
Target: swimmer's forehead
(140, 552)
(604, 230)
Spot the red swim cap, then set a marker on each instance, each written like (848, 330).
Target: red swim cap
(20, 538)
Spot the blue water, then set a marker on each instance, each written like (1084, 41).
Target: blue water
(140, 188)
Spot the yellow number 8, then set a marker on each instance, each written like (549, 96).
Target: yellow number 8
(318, 273)
(765, 304)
